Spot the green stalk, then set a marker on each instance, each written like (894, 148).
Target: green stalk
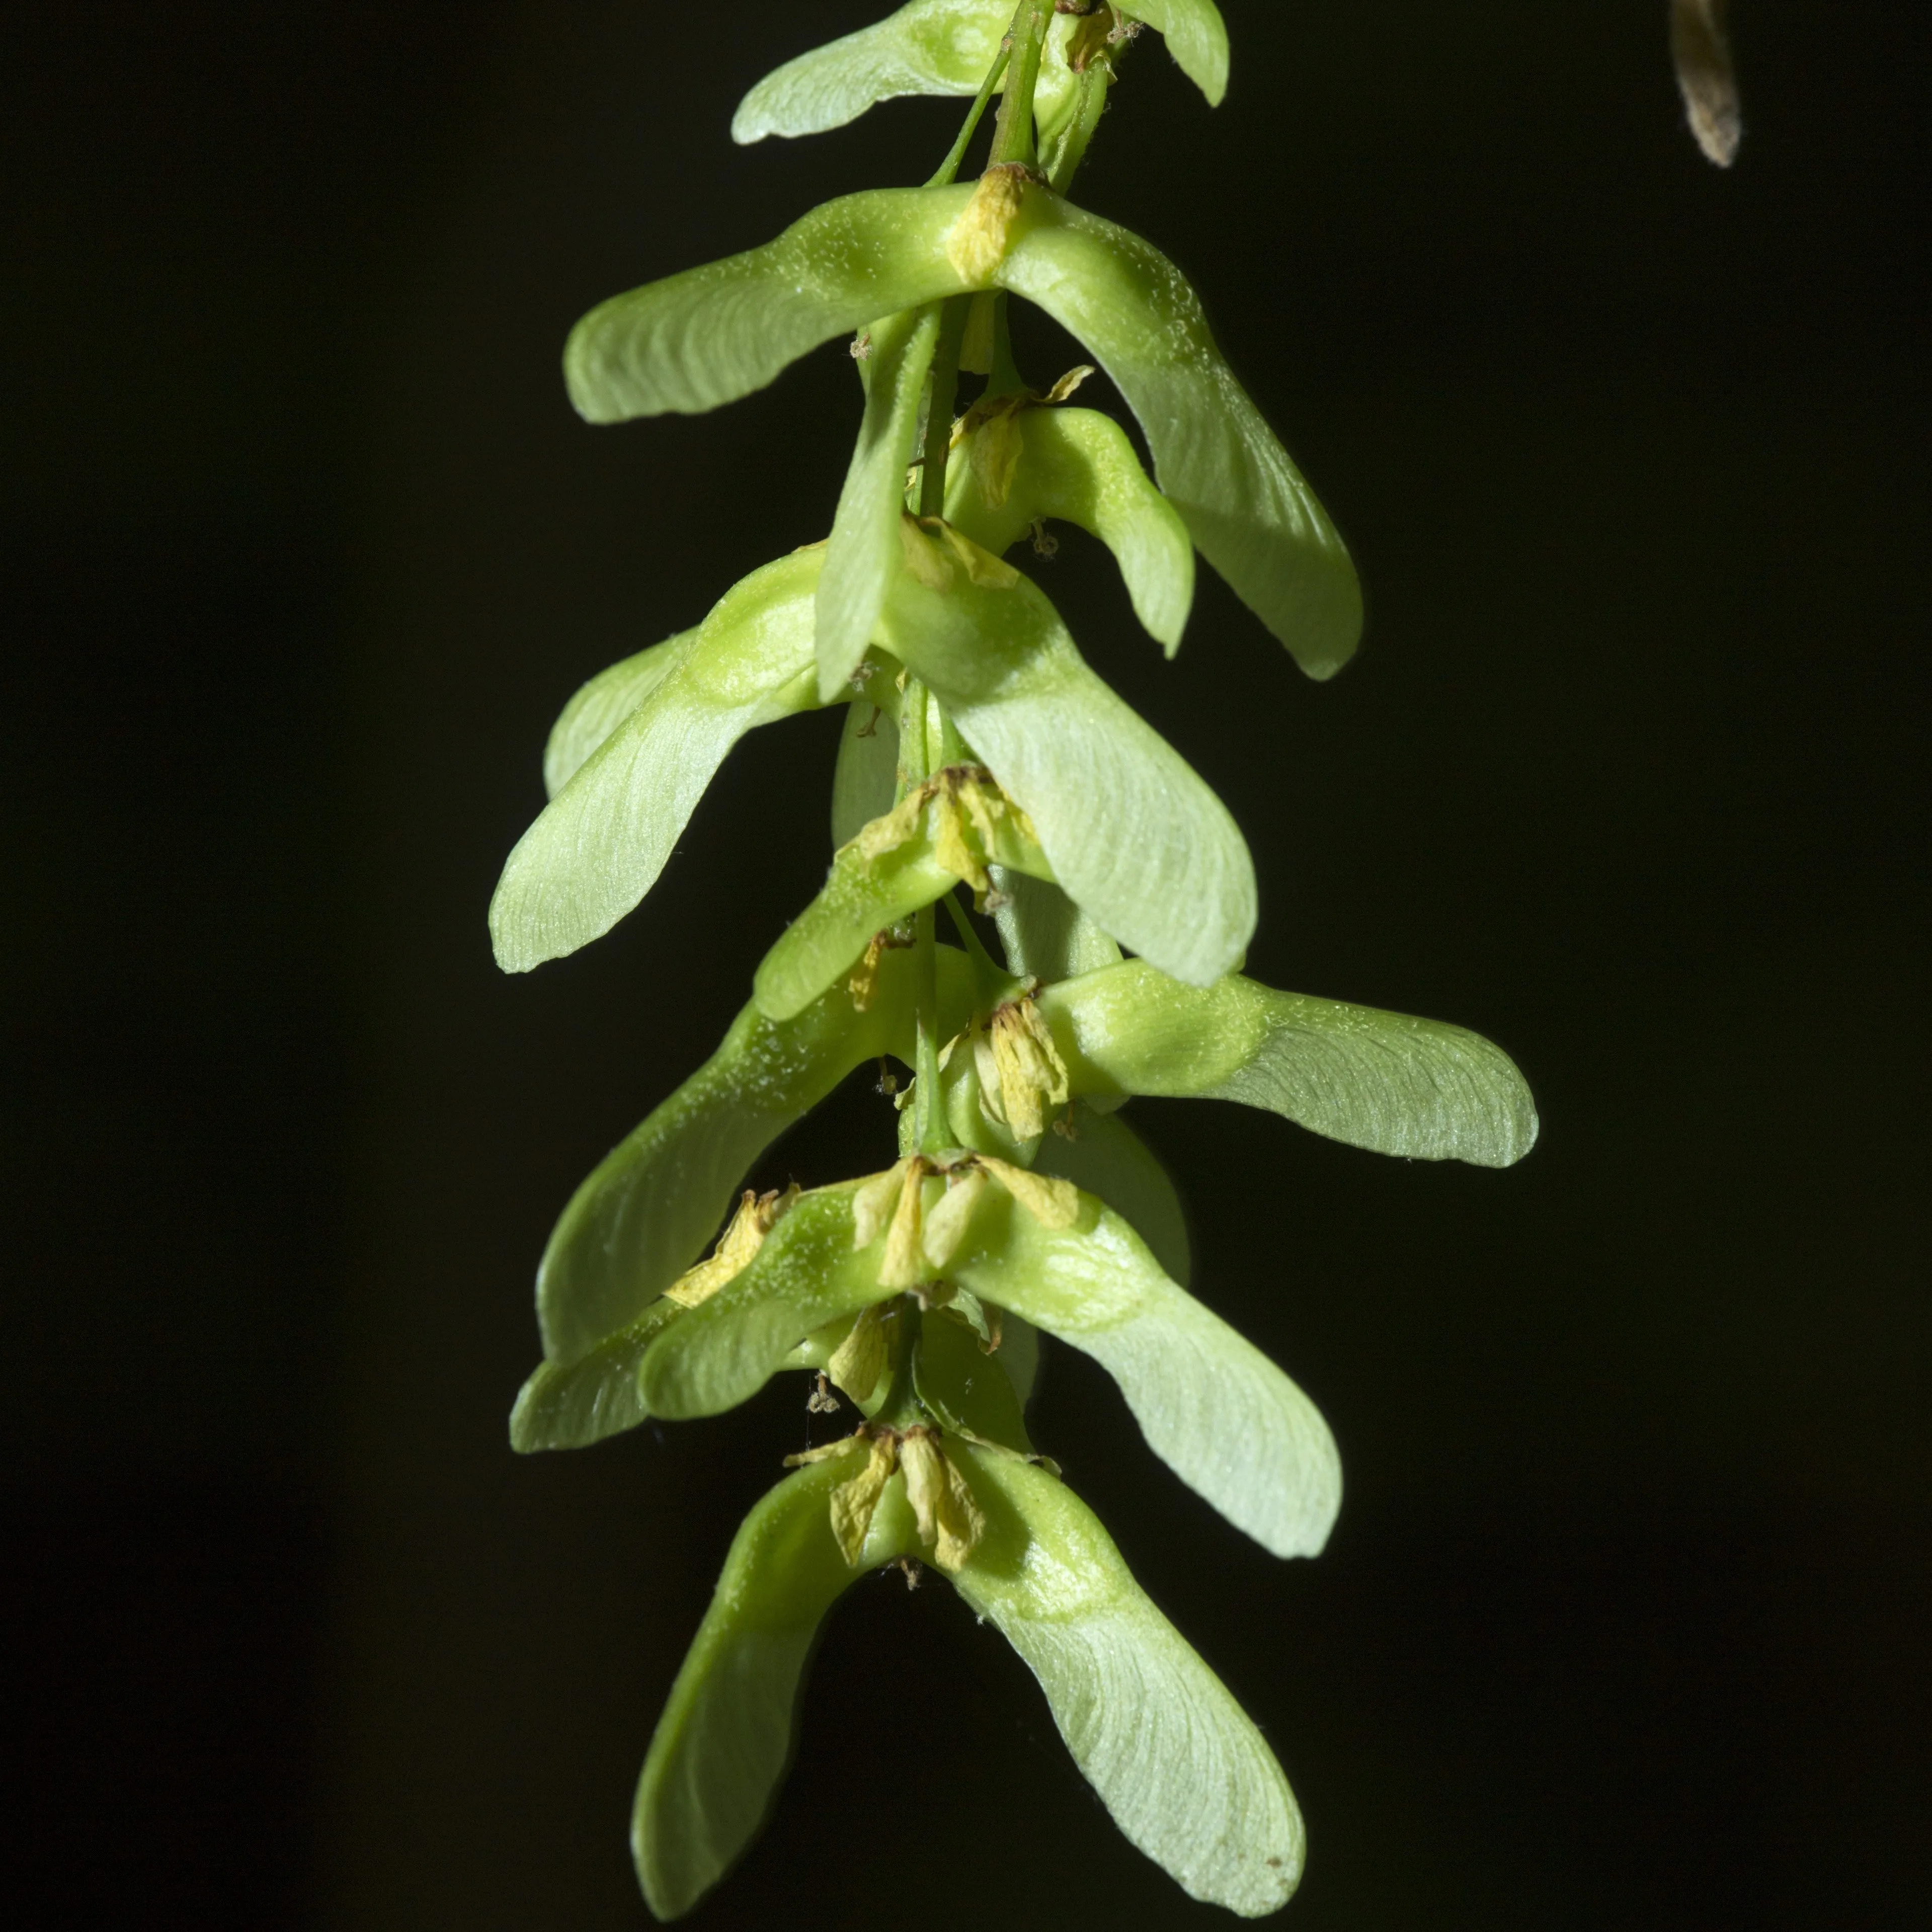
(989, 967)
(1071, 149)
(902, 1408)
(1005, 379)
(949, 167)
(929, 1120)
(1013, 133)
(939, 401)
(953, 749)
(1013, 141)
(915, 767)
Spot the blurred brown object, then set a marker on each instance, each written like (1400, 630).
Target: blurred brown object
(1705, 76)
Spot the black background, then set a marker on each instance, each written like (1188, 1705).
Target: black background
(1625, 1621)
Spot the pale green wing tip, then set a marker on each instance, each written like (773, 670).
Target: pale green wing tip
(528, 1435)
(509, 962)
(1525, 1125)
(1165, 620)
(1219, 945)
(774, 106)
(762, 114)
(1305, 1531)
(671, 1894)
(516, 948)
(1519, 1106)
(1197, 37)
(511, 949)
(1207, 68)
(840, 625)
(588, 396)
(1331, 639)
(577, 1404)
(1182, 1769)
(1321, 663)
(750, 124)
(665, 1903)
(1300, 582)
(1288, 1506)
(521, 1442)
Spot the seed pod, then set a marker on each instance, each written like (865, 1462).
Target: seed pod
(711, 334)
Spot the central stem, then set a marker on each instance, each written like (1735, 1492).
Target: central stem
(1013, 141)
(929, 1119)
(916, 764)
(1013, 133)
(902, 1407)
(940, 400)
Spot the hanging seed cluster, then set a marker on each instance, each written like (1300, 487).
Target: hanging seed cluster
(982, 763)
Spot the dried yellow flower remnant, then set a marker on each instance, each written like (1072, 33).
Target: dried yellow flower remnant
(856, 1500)
(973, 824)
(925, 562)
(903, 1265)
(984, 231)
(949, 847)
(934, 550)
(986, 1069)
(995, 454)
(988, 807)
(739, 1242)
(873, 1203)
(995, 442)
(945, 1224)
(1067, 384)
(981, 566)
(976, 820)
(892, 1201)
(1052, 1202)
(1093, 40)
(858, 1362)
(863, 983)
(996, 1327)
(897, 827)
(949, 1518)
(1028, 1072)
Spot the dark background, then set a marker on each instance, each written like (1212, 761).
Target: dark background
(1625, 1625)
